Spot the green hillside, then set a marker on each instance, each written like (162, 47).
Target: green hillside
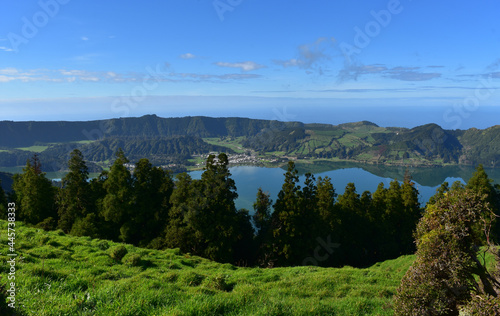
(26, 134)
(58, 274)
(167, 141)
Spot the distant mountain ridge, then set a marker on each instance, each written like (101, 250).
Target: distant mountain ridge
(174, 140)
(21, 134)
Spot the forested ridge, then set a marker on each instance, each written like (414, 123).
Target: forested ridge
(21, 134)
(176, 140)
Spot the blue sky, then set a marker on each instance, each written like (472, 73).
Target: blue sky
(392, 62)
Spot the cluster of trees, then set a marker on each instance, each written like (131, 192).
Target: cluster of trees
(306, 225)
(481, 146)
(180, 147)
(160, 150)
(349, 229)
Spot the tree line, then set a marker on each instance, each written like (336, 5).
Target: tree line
(308, 224)
(160, 150)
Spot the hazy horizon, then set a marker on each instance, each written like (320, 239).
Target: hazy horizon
(395, 63)
(281, 109)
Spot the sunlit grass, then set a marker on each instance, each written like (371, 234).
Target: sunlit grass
(35, 148)
(58, 274)
(231, 143)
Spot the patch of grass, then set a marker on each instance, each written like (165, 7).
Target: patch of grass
(66, 275)
(35, 148)
(233, 143)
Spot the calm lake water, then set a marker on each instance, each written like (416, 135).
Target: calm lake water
(366, 177)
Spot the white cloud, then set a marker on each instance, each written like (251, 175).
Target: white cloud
(78, 75)
(244, 66)
(84, 59)
(6, 49)
(213, 78)
(290, 63)
(312, 56)
(403, 73)
(187, 56)
(73, 72)
(92, 79)
(84, 38)
(9, 71)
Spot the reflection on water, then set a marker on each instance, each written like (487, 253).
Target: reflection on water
(366, 177)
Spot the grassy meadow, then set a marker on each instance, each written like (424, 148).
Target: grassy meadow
(58, 274)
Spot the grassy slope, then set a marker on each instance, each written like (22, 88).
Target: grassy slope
(65, 275)
(35, 148)
(231, 143)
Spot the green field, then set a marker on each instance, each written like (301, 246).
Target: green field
(233, 143)
(41, 148)
(58, 274)
(36, 148)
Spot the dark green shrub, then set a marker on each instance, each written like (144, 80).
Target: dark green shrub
(157, 243)
(103, 245)
(43, 240)
(118, 252)
(47, 224)
(132, 259)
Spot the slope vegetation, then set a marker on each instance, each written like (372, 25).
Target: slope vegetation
(58, 274)
(177, 140)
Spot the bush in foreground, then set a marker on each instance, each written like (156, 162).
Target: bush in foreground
(447, 271)
(118, 252)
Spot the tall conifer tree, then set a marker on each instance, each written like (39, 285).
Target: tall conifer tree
(74, 200)
(117, 204)
(152, 187)
(34, 193)
(284, 218)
